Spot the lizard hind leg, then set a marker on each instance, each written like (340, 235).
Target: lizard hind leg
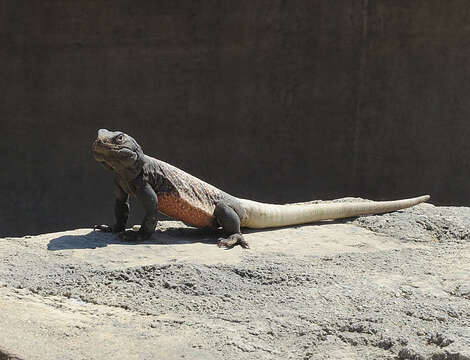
(230, 221)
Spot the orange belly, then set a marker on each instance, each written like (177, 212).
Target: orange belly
(179, 209)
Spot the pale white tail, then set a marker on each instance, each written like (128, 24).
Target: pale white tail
(261, 215)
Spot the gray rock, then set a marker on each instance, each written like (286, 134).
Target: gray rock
(394, 286)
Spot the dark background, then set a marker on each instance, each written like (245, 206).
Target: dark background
(277, 101)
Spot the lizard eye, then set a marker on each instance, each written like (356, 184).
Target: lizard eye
(119, 138)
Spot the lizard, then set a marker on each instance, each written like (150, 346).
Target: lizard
(161, 187)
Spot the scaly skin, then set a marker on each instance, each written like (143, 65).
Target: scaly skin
(162, 187)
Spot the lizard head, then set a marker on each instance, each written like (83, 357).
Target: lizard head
(119, 152)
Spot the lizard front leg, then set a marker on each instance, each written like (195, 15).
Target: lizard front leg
(121, 212)
(147, 196)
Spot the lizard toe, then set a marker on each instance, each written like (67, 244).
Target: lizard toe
(232, 241)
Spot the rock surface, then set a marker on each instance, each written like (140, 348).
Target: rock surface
(395, 286)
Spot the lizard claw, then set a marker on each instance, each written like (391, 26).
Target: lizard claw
(104, 228)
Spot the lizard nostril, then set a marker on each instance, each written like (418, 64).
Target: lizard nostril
(98, 142)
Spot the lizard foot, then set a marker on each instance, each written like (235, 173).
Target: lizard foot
(107, 228)
(233, 240)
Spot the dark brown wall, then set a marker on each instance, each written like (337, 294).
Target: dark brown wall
(273, 100)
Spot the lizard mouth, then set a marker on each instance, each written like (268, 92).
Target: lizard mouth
(100, 149)
(103, 147)
(103, 150)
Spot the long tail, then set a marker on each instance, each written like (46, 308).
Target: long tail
(261, 215)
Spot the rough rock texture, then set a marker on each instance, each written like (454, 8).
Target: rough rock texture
(335, 290)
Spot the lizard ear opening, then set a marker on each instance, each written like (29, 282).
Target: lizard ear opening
(140, 154)
(138, 150)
